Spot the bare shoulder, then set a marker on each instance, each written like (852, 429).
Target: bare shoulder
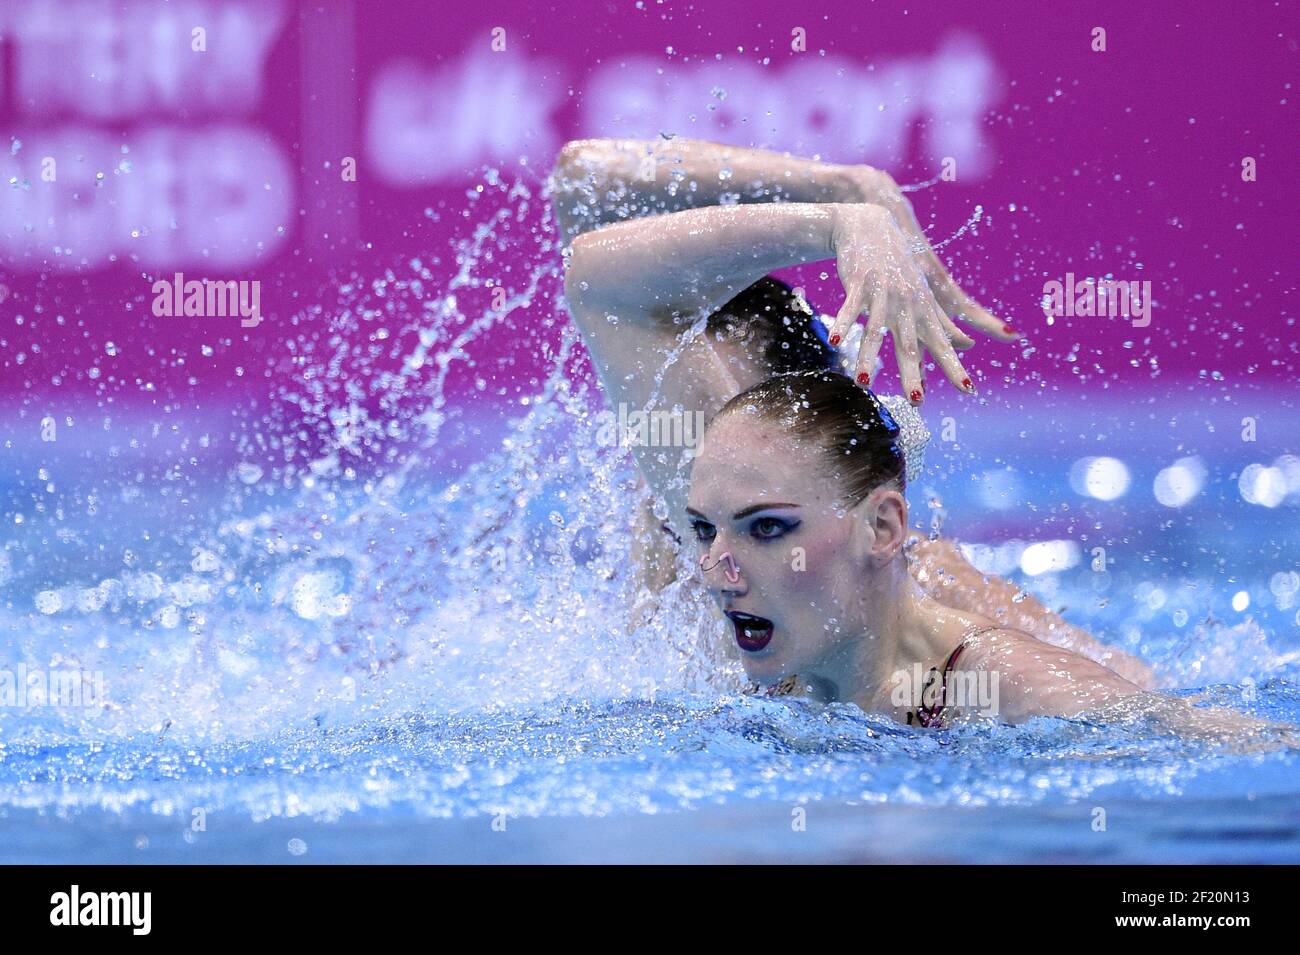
(994, 645)
(1037, 679)
(943, 571)
(933, 550)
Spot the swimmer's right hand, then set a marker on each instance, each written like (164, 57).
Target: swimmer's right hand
(910, 288)
(880, 274)
(878, 187)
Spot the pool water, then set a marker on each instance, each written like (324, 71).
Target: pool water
(414, 637)
(676, 778)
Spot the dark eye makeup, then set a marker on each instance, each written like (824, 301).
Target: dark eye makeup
(770, 528)
(761, 528)
(704, 531)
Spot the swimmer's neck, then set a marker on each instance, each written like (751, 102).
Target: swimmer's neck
(914, 630)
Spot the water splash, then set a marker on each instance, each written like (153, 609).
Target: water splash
(359, 568)
(409, 599)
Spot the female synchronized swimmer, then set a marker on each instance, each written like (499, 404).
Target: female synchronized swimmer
(670, 290)
(806, 465)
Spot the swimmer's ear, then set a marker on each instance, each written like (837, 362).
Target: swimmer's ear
(879, 527)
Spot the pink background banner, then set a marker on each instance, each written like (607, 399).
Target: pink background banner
(305, 146)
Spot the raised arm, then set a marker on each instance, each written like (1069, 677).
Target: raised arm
(596, 182)
(662, 268)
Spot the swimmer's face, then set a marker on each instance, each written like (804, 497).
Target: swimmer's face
(774, 504)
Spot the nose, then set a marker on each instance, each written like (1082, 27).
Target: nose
(731, 568)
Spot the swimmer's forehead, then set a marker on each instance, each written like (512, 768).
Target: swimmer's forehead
(743, 461)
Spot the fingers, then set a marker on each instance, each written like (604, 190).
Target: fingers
(932, 333)
(950, 331)
(874, 336)
(958, 338)
(956, 302)
(855, 300)
(934, 312)
(908, 350)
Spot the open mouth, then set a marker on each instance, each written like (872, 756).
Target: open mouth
(752, 633)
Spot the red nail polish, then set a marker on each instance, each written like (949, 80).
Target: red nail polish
(916, 396)
(864, 378)
(835, 340)
(1008, 330)
(965, 383)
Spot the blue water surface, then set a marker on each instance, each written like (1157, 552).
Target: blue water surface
(444, 663)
